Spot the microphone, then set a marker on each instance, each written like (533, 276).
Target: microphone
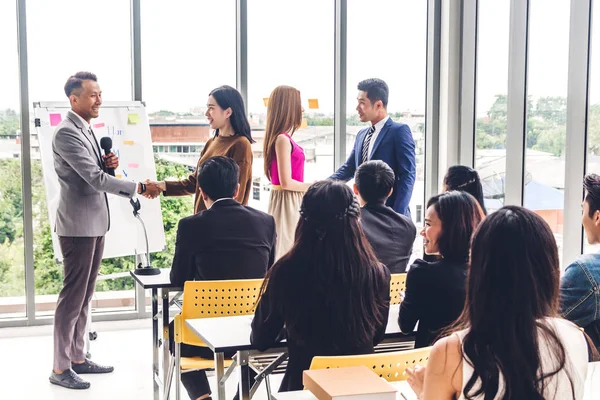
(106, 144)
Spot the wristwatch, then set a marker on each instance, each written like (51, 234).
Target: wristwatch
(142, 188)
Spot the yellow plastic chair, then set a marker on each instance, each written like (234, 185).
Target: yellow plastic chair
(209, 299)
(389, 366)
(397, 285)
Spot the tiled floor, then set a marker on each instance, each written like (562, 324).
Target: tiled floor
(26, 362)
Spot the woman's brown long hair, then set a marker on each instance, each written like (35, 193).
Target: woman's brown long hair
(284, 114)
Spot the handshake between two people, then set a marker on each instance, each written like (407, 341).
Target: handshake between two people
(153, 188)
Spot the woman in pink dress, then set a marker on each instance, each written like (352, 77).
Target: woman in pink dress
(284, 164)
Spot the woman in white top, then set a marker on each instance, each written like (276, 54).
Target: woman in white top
(509, 343)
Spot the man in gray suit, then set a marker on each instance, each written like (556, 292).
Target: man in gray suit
(82, 220)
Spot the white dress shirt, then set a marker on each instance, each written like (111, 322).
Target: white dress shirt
(85, 123)
(378, 127)
(218, 200)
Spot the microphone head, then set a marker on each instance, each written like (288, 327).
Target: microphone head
(106, 143)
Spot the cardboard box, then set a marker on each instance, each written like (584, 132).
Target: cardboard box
(351, 383)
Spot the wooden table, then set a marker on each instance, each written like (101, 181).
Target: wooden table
(155, 283)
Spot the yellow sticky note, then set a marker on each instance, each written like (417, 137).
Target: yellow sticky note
(133, 119)
(266, 101)
(129, 142)
(313, 104)
(304, 123)
(118, 176)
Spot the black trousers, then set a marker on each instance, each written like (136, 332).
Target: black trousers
(196, 382)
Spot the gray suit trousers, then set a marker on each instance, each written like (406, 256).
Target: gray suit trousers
(82, 257)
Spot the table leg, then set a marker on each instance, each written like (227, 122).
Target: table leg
(155, 344)
(165, 327)
(219, 370)
(244, 383)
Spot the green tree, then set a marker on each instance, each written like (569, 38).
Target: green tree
(594, 129)
(9, 123)
(49, 274)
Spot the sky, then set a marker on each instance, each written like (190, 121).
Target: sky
(188, 48)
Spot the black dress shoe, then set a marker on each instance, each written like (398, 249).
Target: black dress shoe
(90, 367)
(69, 379)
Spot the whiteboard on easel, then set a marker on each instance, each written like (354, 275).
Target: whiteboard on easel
(126, 123)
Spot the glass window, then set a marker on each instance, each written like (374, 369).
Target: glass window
(58, 47)
(492, 85)
(547, 111)
(593, 129)
(391, 45)
(12, 261)
(284, 50)
(188, 49)
(178, 77)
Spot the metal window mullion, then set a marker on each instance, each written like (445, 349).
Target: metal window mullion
(432, 108)
(241, 51)
(468, 82)
(136, 50)
(577, 121)
(340, 74)
(26, 160)
(516, 102)
(450, 54)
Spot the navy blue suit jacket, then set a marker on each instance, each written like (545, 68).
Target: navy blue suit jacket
(396, 147)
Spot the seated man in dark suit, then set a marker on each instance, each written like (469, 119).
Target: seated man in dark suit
(226, 241)
(391, 234)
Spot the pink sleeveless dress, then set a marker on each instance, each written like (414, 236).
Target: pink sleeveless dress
(284, 205)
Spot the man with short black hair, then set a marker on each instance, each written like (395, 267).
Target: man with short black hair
(384, 140)
(226, 241)
(580, 283)
(391, 234)
(82, 220)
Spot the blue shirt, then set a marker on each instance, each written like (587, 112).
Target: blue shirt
(580, 290)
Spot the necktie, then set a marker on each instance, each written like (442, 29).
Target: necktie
(366, 143)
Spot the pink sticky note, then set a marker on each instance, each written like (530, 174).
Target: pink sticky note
(133, 165)
(99, 125)
(55, 119)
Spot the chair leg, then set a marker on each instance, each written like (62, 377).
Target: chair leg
(167, 384)
(268, 385)
(178, 371)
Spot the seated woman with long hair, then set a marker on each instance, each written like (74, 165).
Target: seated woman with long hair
(435, 291)
(328, 295)
(509, 343)
(465, 179)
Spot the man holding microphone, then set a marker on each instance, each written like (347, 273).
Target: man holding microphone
(82, 220)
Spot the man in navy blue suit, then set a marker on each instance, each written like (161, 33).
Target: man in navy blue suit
(385, 140)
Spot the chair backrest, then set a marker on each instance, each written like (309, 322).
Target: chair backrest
(389, 366)
(210, 299)
(397, 285)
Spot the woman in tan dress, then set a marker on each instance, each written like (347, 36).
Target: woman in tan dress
(226, 115)
(284, 164)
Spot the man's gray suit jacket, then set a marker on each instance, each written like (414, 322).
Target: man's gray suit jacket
(83, 205)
